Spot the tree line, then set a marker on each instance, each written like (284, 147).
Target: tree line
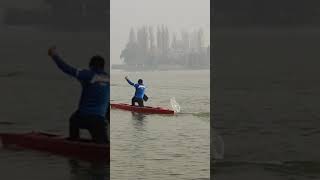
(151, 47)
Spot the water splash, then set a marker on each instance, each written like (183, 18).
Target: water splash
(175, 106)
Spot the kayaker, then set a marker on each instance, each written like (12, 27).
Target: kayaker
(93, 108)
(139, 94)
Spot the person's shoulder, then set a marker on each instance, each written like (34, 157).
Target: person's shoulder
(85, 74)
(86, 71)
(101, 77)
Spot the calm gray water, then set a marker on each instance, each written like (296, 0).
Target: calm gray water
(267, 103)
(162, 147)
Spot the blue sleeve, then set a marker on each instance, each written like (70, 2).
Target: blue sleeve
(66, 68)
(81, 75)
(130, 82)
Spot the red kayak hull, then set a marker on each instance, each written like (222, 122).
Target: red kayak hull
(145, 109)
(83, 149)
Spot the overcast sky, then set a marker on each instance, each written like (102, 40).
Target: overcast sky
(177, 14)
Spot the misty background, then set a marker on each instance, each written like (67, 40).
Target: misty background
(266, 89)
(177, 15)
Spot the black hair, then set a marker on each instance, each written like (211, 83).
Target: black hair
(140, 81)
(97, 62)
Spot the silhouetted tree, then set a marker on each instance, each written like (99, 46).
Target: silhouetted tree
(151, 39)
(132, 36)
(159, 44)
(174, 41)
(185, 40)
(130, 53)
(200, 39)
(166, 39)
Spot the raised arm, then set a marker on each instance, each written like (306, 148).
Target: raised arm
(66, 68)
(130, 82)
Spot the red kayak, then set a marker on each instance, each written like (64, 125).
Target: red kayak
(145, 109)
(83, 149)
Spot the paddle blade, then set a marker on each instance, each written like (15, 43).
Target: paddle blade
(175, 106)
(145, 98)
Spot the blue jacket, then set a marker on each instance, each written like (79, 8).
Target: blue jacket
(140, 88)
(95, 83)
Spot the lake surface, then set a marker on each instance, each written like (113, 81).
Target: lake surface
(266, 103)
(162, 147)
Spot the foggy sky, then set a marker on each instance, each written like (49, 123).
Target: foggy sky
(177, 14)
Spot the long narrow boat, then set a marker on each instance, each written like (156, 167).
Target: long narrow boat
(145, 109)
(83, 149)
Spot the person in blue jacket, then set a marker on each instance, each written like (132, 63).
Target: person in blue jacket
(93, 108)
(139, 94)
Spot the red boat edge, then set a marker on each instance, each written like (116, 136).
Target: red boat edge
(145, 109)
(83, 149)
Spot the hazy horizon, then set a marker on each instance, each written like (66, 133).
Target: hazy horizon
(176, 14)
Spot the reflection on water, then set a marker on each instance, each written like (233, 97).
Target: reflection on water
(139, 117)
(93, 170)
(138, 122)
(29, 164)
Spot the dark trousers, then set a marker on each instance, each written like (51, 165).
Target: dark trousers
(95, 126)
(138, 100)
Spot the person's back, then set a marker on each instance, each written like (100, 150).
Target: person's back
(94, 102)
(95, 93)
(140, 88)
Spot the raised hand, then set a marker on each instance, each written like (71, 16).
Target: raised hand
(52, 51)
